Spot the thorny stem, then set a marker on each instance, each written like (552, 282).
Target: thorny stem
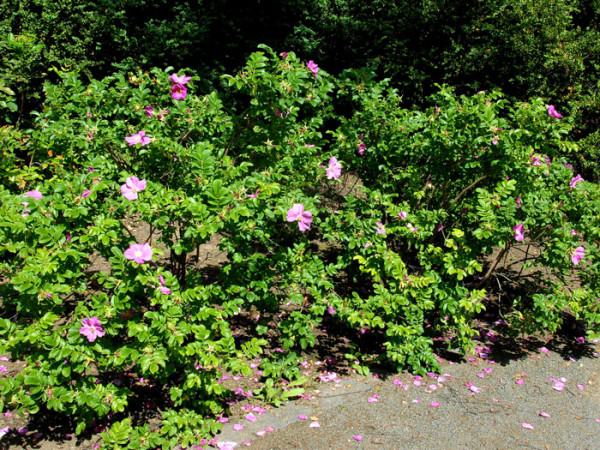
(493, 267)
(467, 189)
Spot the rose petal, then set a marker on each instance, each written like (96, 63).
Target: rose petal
(315, 425)
(434, 404)
(238, 427)
(527, 426)
(544, 414)
(301, 417)
(250, 417)
(357, 437)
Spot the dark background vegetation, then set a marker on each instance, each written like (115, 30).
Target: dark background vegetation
(548, 48)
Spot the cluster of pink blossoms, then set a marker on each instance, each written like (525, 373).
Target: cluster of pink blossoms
(178, 89)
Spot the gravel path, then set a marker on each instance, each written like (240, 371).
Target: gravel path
(477, 403)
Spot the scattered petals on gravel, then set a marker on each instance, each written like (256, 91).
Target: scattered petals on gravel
(226, 445)
(372, 399)
(544, 350)
(580, 386)
(247, 443)
(301, 417)
(261, 433)
(250, 417)
(315, 424)
(519, 381)
(357, 437)
(238, 427)
(545, 414)
(434, 404)
(558, 386)
(269, 429)
(527, 426)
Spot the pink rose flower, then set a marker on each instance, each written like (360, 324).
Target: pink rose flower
(519, 232)
(131, 187)
(91, 329)
(297, 213)
(138, 138)
(553, 113)
(178, 92)
(34, 194)
(179, 79)
(334, 169)
(576, 180)
(578, 255)
(139, 253)
(312, 67)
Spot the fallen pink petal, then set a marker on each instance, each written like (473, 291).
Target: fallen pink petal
(357, 437)
(302, 417)
(545, 414)
(527, 426)
(250, 417)
(315, 425)
(434, 404)
(238, 427)
(558, 386)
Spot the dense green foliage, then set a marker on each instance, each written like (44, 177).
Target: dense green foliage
(403, 256)
(439, 184)
(548, 48)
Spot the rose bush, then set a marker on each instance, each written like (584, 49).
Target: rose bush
(399, 237)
